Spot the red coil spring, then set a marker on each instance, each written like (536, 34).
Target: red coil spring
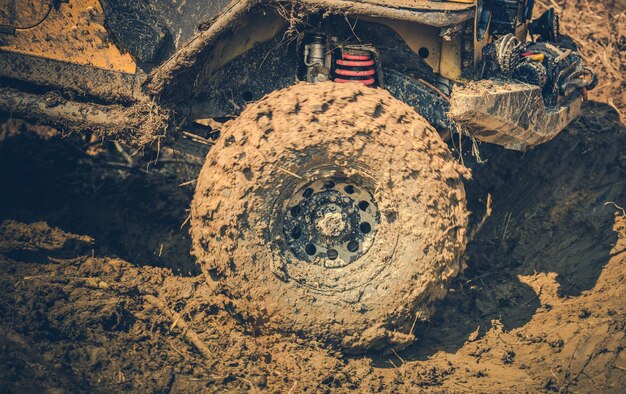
(356, 67)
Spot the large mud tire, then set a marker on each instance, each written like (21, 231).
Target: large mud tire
(296, 138)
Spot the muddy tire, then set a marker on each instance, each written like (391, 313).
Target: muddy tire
(331, 211)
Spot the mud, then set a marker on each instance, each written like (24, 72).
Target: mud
(90, 301)
(98, 291)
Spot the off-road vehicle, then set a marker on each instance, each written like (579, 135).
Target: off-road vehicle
(330, 205)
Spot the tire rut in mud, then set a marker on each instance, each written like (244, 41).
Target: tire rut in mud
(61, 327)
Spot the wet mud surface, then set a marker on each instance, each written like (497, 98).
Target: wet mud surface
(98, 291)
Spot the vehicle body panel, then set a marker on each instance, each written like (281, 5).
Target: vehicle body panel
(197, 60)
(73, 34)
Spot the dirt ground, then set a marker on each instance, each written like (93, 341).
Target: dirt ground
(98, 291)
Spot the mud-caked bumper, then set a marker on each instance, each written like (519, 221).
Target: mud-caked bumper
(510, 114)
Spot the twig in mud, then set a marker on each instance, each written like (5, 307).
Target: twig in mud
(392, 363)
(465, 387)
(487, 214)
(158, 152)
(175, 321)
(570, 381)
(187, 331)
(234, 104)
(175, 349)
(612, 105)
(188, 182)
(434, 88)
(413, 325)
(293, 387)
(558, 381)
(289, 172)
(569, 363)
(397, 355)
(252, 386)
(117, 165)
(506, 227)
(475, 151)
(460, 144)
(590, 378)
(170, 161)
(7, 304)
(186, 220)
(616, 206)
(290, 15)
(122, 152)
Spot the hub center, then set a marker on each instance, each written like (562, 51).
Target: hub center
(331, 224)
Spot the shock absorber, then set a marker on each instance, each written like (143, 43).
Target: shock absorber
(356, 66)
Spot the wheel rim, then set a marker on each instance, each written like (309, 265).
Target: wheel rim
(330, 222)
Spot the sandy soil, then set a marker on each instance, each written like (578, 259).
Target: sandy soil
(98, 291)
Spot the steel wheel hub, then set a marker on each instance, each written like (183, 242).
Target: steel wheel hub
(330, 222)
